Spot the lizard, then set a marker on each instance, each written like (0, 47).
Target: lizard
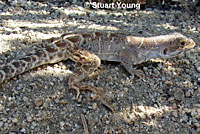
(89, 48)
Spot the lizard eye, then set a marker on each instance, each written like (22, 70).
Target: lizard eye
(165, 51)
(182, 43)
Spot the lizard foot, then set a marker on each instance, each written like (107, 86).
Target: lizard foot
(138, 73)
(100, 94)
(97, 90)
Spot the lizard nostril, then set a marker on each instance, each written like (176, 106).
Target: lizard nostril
(165, 51)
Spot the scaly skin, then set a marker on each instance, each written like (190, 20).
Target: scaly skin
(89, 48)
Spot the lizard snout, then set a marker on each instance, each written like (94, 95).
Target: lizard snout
(190, 44)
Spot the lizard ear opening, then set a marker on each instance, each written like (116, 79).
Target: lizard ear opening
(165, 51)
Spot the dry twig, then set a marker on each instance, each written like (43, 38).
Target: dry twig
(84, 124)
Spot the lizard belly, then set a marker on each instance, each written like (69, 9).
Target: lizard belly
(109, 57)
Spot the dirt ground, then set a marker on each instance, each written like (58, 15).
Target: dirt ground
(39, 101)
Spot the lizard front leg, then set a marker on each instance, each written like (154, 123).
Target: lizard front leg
(129, 58)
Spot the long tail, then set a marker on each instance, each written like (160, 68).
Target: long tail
(50, 54)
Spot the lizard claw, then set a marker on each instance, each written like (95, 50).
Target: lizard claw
(139, 74)
(72, 86)
(77, 93)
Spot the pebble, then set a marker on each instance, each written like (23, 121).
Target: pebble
(90, 107)
(198, 90)
(197, 66)
(57, 100)
(197, 105)
(197, 125)
(94, 106)
(171, 99)
(174, 106)
(25, 98)
(1, 124)
(23, 130)
(29, 119)
(15, 120)
(198, 81)
(169, 83)
(1, 107)
(179, 95)
(62, 124)
(175, 114)
(33, 124)
(45, 105)
(126, 90)
(63, 102)
(188, 93)
(38, 102)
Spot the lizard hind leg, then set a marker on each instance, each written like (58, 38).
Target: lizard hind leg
(90, 62)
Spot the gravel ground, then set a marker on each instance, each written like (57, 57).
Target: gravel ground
(39, 101)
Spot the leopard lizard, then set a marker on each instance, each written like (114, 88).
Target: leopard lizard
(90, 48)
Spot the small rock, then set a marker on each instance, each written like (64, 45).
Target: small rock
(126, 90)
(179, 95)
(38, 102)
(33, 124)
(22, 130)
(169, 83)
(62, 124)
(45, 105)
(145, 69)
(175, 114)
(110, 78)
(198, 81)
(19, 88)
(56, 100)
(25, 98)
(196, 105)
(163, 78)
(1, 107)
(171, 99)
(29, 119)
(197, 66)
(188, 93)
(198, 90)
(107, 122)
(174, 106)
(63, 101)
(15, 120)
(90, 107)
(94, 106)
(197, 125)
(1, 124)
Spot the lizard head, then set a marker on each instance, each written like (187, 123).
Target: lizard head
(178, 45)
